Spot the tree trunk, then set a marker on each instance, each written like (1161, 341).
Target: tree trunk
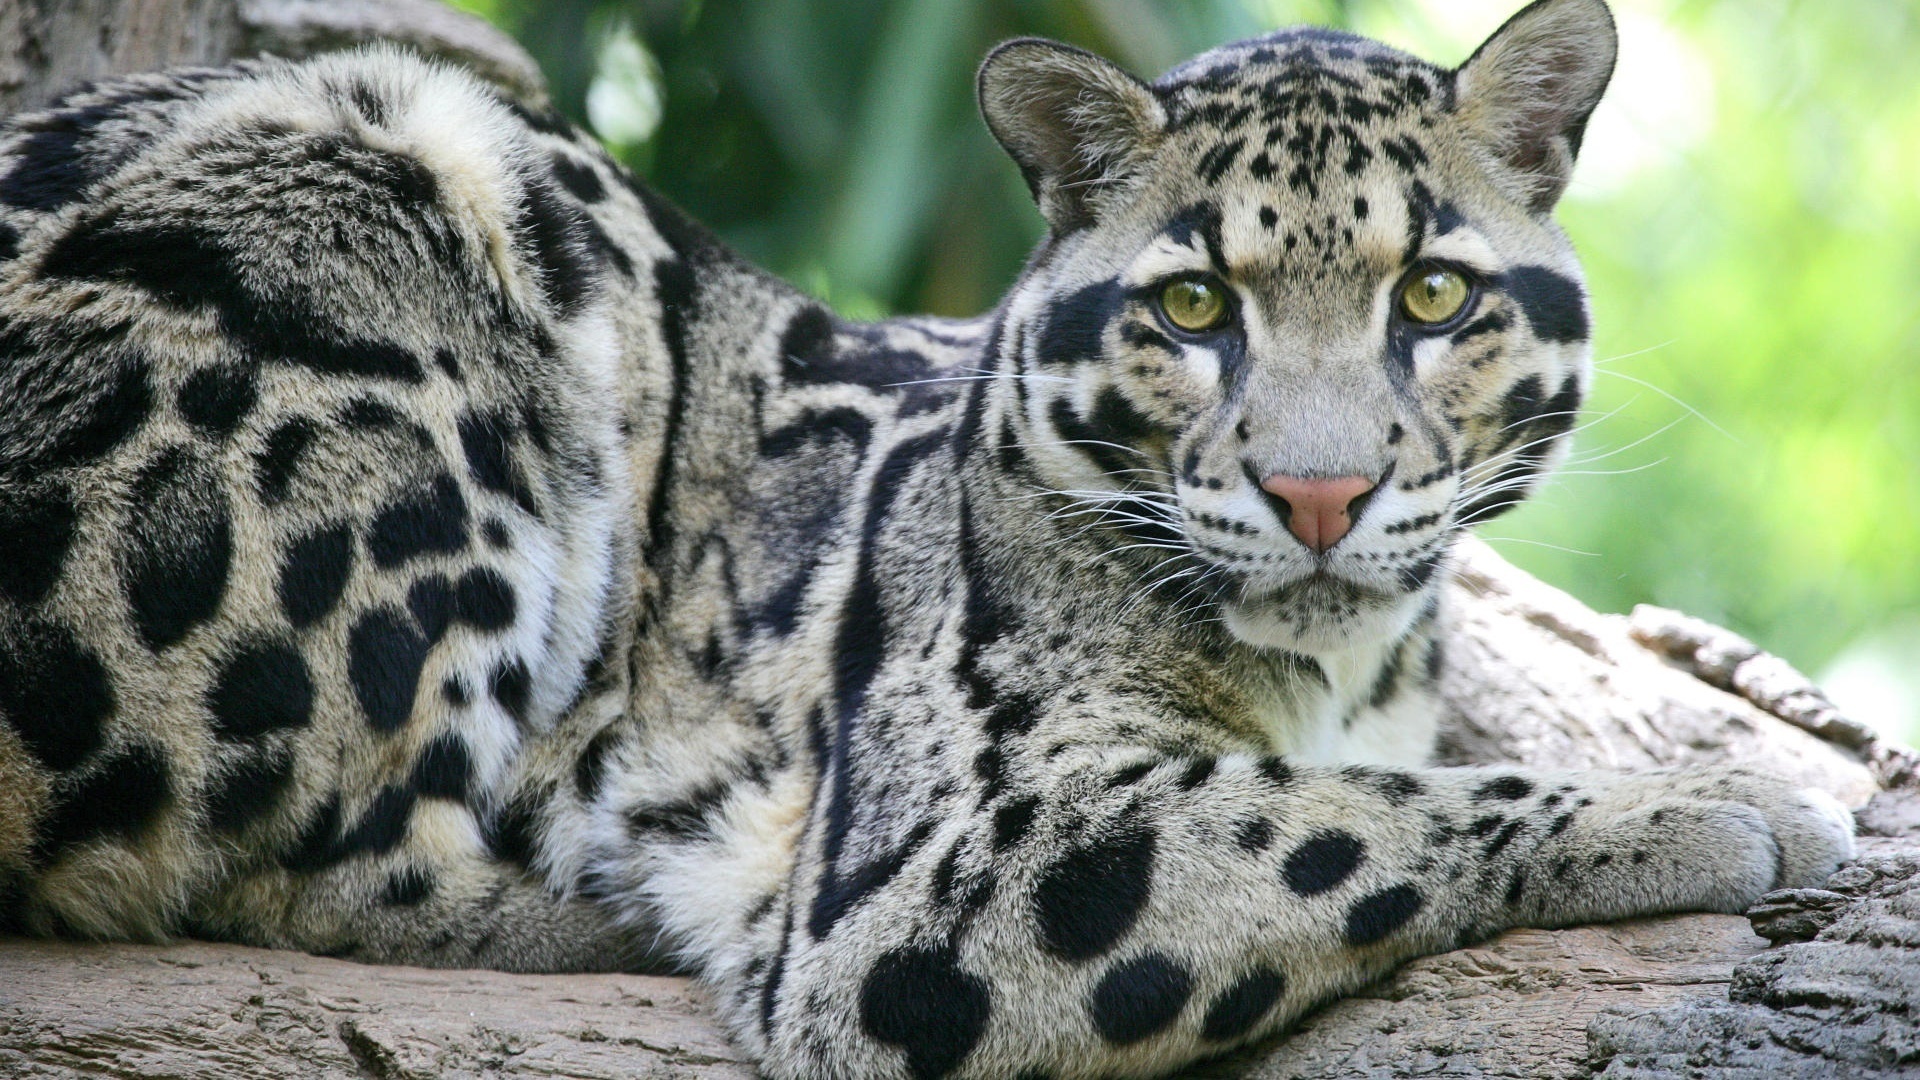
(50, 46)
(1533, 677)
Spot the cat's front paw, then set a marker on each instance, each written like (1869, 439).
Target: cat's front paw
(1814, 831)
(1695, 840)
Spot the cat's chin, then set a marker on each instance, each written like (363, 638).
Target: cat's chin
(1320, 615)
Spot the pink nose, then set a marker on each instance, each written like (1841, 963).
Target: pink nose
(1318, 510)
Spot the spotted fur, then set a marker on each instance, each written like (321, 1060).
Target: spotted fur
(420, 543)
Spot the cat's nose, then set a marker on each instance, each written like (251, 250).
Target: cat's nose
(1318, 510)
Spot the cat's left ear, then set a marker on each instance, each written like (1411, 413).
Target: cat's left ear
(1526, 93)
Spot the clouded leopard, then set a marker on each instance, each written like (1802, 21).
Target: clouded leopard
(421, 543)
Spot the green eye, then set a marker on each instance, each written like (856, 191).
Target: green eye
(1195, 305)
(1435, 296)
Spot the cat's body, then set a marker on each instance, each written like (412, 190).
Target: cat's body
(423, 545)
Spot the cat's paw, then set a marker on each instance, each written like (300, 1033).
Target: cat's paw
(1713, 839)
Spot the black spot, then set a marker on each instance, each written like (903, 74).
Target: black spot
(1076, 324)
(1503, 787)
(426, 521)
(1415, 575)
(372, 414)
(1196, 773)
(807, 347)
(495, 532)
(315, 574)
(189, 267)
(178, 546)
(1088, 438)
(485, 438)
(314, 847)
(9, 242)
(1253, 834)
(1218, 159)
(121, 798)
(1484, 825)
(1013, 713)
(1088, 900)
(1374, 916)
(1242, 1005)
(1521, 403)
(683, 817)
(591, 770)
(1502, 838)
(248, 789)
(430, 602)
(279, 458)
(1012, 821)
(1517, 884)
(453, 690)
(36, 530)
(383, 825)
(260, 689)
(1276, 770)
(483, 599)
(922, 1002)
(1129, 774)
(1396, 787)
(1139, 998)
(1268, 217)
(534, 419)
(1323, 862)
(384, 658)
(369, 102)
(557, 234)
(215, 399)
(510, 833)
(818, 427)
(77, 431)
(444, 769)
(50, 166)
(578, 178)
(1554, 304)
(54, 693)
(408, 886)
(511, 684)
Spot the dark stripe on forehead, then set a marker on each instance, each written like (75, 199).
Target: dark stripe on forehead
(1203, 220)
(1218, 159)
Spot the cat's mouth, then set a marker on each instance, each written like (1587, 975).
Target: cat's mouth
(1317, 613)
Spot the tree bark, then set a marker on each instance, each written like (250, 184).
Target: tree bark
(1532, 677)
(50, 46)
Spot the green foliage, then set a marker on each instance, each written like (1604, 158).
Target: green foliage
(1747, 207)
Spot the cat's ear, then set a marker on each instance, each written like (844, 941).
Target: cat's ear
(1525, 94)
(1074, 123)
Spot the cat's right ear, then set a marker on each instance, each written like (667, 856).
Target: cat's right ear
(1526, 93)
(1076, 124)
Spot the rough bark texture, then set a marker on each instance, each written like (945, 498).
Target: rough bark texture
(1534, 677)
(48, 46)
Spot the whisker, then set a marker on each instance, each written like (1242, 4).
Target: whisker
(1696, 413)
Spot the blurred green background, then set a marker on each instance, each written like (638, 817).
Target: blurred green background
(1748, 204)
